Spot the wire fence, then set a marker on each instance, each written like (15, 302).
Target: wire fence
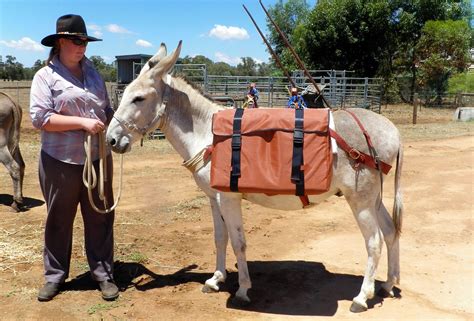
(430, 99)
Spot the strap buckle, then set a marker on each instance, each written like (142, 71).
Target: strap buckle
(354, 154)
(236, 141)
(298, 136)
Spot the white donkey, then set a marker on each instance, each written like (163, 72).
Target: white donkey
(157, 100)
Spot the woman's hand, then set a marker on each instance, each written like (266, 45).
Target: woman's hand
(92, 126)
(61, 123)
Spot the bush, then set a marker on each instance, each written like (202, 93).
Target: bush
(462, 82)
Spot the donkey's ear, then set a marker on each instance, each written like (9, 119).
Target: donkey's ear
(167, 63)
(155, 59)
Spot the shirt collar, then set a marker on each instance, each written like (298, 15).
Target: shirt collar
(85, 62)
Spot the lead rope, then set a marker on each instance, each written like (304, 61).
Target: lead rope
(89, 176)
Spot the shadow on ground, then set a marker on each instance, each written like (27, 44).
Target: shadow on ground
(278, 287)
(28, 202)
(299, 288)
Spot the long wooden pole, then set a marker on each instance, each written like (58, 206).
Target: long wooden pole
(271, 50)
(298, 60)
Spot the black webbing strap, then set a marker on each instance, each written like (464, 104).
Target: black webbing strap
(236, 147)
(297, 175)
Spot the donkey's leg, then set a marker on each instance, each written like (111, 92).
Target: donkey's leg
(221, 238)
(232, 213)
(393, 252)
(15, 172)
(18, 190)
(364, 209)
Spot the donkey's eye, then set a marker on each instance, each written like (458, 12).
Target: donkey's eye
(138, 99)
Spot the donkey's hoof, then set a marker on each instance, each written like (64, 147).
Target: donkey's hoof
(17, 207)
(208, 289)
(357, 307)
(239, 302)
(384, 293)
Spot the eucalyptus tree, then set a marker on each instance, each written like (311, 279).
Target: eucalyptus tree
(288, 15)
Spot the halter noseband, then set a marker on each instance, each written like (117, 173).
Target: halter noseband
(143, 130)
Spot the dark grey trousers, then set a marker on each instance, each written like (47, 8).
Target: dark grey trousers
(63, 189)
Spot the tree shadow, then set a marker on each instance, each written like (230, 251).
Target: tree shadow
(28, 202)
(278, 287)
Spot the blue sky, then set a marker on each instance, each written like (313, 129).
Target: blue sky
(217, 29)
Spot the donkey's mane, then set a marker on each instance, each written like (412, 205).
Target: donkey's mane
(195, 87)
(204, 104)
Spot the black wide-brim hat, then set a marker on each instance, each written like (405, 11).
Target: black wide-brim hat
(68, 26)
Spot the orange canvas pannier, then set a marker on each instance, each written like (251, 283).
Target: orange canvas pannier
(259, 151)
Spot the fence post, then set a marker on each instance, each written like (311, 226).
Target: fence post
(415, 107)
(459, 102)
(18, 93)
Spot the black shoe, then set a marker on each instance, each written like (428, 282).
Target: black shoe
(48, 291)
(109, 290)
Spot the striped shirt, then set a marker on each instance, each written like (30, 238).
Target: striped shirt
(55, 90)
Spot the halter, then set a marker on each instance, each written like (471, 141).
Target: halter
(143, 130)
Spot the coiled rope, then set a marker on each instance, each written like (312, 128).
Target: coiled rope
(89, 176)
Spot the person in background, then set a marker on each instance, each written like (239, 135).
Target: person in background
(69, 100)
(252, 94)
(296, 100)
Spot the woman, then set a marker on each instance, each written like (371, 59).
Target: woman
(68, 101)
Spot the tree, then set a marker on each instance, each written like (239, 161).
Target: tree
(443, 49)
(462, 82)
(372, 38)
(248, 67)
(346, 35)
(288, 16)
(220, 68)
(98, 61)
(408, 19)
(38, 65)
(13, 69)
(264, 69)
(107, 71)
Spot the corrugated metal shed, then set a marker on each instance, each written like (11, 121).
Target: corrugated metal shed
(128, 66)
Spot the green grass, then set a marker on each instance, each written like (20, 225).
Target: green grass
(137, 257)
(101, 307)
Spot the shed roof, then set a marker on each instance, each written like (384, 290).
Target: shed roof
(135, 56)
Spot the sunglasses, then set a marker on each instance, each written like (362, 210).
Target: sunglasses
(78, 41)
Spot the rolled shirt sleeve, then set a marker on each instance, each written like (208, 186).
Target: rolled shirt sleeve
(41, 102)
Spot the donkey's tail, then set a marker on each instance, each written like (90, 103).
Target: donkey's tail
(397, 216)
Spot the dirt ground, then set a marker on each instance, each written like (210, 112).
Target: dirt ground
(306, 264)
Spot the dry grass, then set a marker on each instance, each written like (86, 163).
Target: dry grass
(431, 123)
(20, 246)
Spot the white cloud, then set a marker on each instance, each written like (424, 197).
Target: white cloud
(221, 57)
(94, 27)
(143, 43)
(227, 33)
(116, 29)
(97, 34)
(96, 30)
(24, 43)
